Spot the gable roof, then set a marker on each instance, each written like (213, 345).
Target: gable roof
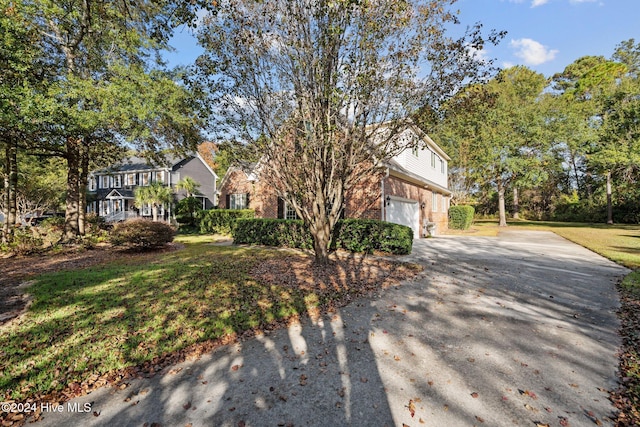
(139, 164)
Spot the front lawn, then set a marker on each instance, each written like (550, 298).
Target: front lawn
(147, 312)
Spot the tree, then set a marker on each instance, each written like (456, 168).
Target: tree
(104, 89)
(189, 185)
(494, 132)
(324, 89)
(156, 194)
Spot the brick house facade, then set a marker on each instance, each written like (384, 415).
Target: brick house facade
(410, 189)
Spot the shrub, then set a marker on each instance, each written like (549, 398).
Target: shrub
(460, 217)
(222, 221)
(187, 210)
(24, 241)
(354, 235)
(272, 232)
(142, 233)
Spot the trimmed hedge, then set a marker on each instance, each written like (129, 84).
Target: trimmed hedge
(141, 233)
(222, 221)
(354, 235)
(461, 217)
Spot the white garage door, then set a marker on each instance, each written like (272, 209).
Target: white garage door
(405, 212)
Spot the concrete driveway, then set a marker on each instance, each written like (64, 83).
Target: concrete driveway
(508, 331)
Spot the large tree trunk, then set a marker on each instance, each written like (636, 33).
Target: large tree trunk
(71, 215)
(321, 234)
(501, 206)
(11, 186)
(82, 193)
(609, 203)
(516, 203)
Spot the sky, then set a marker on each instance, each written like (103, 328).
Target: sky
(544, 35)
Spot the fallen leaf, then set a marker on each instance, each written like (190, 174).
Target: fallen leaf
(412, 408)
(396, 358)
(474, 395)
(480, 420)
(186, 405)
(538, 424)
(235, 367)
(421, 421)
(564, 422)
(303, 379)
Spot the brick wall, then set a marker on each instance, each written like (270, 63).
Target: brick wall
(361, 201)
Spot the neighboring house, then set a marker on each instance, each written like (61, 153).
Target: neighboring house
(111, 190)
(411, 189)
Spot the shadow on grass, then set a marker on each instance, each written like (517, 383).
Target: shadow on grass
(89, 322)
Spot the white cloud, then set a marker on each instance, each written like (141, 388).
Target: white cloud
(536, 3)
(532, 52)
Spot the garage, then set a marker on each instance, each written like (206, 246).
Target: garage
(405, 212)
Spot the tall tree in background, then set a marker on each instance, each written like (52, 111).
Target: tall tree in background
(495, 131)
(311, 84)
(104, 89)
(22, 77)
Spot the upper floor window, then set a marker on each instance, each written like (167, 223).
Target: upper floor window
(433, 159)
(145, 178)
(117, 181)
(92, 183)
(414, 151)
(130, 179)
(105, 182)
(442, 168)
(160, 176)
(238, 201)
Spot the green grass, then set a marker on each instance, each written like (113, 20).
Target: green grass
(631, 283)
(105, 318)
(619, 242)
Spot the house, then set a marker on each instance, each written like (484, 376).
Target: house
(410, 189)
(111, 190)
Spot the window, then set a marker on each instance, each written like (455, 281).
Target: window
(146, 209)
(445, 204)
(160, 176)
(92, 183)
(414, 151)
(238, 201)
(130, 179)
(104, 181)
(434, 202)
(433, 159)
(117, 181)
(145, 178)
(442, 168)
(289, 212)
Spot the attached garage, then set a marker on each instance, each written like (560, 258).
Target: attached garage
(405, 212)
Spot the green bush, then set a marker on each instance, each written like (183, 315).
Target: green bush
(221, 221)
(140, 233)
(354, 235)
(188, 210)
(24, 241)
(272, 232)
(460, 217)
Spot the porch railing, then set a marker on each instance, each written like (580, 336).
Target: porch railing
(120, 216)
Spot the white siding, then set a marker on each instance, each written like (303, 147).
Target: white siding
(421, 165)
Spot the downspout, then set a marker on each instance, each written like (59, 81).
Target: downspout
(383, 203)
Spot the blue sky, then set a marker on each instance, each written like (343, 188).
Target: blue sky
(545, 35)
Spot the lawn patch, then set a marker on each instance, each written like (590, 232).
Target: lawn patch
(90, 326)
